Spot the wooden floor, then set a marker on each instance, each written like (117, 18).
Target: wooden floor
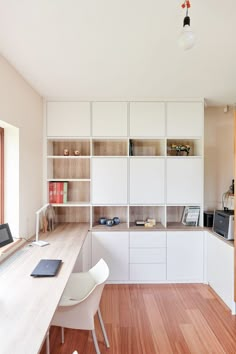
(149, 319)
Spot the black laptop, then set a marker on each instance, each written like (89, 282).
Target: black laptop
(47, 268)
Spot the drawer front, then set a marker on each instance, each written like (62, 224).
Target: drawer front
(148, 272)
(148, 255)
(147, 239)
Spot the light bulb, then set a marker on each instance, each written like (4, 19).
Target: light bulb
(187, 37)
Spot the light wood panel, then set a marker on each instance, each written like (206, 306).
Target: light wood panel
(71, 168)
(156, 319)
(82, 146)
(109, 212)
(148, 147)
(110, 148)
(72, 215)
(79, 191)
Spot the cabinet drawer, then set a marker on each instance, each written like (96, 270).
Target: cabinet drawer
(148, 255)
(148, 272)
(147, 239)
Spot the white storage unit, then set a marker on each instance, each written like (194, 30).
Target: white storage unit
(184, 180)
(109, 119)
(185, 256)
(148, 256)
(147, 119)
(68, 119)
(183, 119)
(109, 180)
(220, 268)
(147, 181)
(113, 247)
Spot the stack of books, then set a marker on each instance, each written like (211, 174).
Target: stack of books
(58, 192)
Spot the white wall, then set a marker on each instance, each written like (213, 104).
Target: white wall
(219, 155)
(22, 108)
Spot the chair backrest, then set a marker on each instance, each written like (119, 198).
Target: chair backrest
(100, 272)
(75, 352)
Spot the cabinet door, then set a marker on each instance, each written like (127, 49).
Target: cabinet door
(147, 119)
(109, 119)
(113, 247)
(184, 181)
(185, 119)
(147, 239)
(185, 256)
(147, 180)
(220, 267)
(109, 184)
(68, 119)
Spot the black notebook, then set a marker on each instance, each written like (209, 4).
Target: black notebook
(47, 268)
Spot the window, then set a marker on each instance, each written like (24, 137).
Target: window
(1, 175)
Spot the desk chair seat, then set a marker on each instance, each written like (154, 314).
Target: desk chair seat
(80, 302)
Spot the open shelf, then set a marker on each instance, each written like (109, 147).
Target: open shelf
(109, 212)
(145, 212)
(74, 214)
(57, 147)
(174, 214)
(107, 147)
(146, 147)
(193, 146)
(69, 168)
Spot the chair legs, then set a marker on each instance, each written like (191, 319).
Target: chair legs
(103, 328)
(95, 341)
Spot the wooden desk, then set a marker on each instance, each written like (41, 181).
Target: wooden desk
(27, 304)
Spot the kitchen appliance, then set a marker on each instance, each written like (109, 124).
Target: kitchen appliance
(223, 223)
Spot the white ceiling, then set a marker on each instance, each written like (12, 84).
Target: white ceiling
(121, 48)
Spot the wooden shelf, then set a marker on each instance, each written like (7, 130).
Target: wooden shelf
(107, 147)
(146, 147)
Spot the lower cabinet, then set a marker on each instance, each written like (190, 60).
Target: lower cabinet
(220, 268)
(185, 256)
(147, 256)
(113, 247)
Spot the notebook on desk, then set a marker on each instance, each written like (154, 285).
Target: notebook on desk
(47, 268)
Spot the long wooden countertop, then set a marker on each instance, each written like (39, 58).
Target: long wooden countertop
(27, 304)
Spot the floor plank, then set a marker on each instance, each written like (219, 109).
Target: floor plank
(156, 319)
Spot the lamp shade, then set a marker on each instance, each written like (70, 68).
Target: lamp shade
(187, 37)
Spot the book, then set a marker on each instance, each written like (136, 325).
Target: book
(65, 192)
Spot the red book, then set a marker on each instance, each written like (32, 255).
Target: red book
(50, 191)
(58, 192)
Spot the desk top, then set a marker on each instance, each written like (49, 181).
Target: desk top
(27, 304)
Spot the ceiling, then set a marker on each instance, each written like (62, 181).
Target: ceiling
(121, 49)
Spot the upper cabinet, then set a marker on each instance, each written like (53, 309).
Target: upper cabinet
(65, 119)
(109, 119)
(184, 119)
(147, 119)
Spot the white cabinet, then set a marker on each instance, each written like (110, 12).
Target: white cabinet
(185, 256)
(109, 119)
(185, 119)
(113, 247)
(68, 119)
(147, 180)
(109, 184)
(184, 180)
(220, 268)
(147, 119)
(148, 256)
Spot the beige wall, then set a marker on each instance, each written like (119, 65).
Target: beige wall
(219, 155)
(22, 108)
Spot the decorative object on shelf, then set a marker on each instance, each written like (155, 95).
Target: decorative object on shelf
(139, 222)
(109, 222)
(66, 152)
(131, 148)
(187, 37)
(50, 215)
(116, 220)
(102, 220)
(191, 215)
(76, 153)
(181, 148)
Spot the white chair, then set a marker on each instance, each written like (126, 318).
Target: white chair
(80, 302)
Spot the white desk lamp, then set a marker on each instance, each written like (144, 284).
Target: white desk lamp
(37, 241)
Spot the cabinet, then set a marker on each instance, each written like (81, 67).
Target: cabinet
(147, 119)
(109, 119)
(220, 268)
(66, 119)
(148, 256)
(110, 181)
(147, 181)
(185, 255)
(113, 247)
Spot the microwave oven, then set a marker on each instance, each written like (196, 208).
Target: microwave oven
(223, 223)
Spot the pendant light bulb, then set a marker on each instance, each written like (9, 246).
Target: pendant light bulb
(187, 37)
